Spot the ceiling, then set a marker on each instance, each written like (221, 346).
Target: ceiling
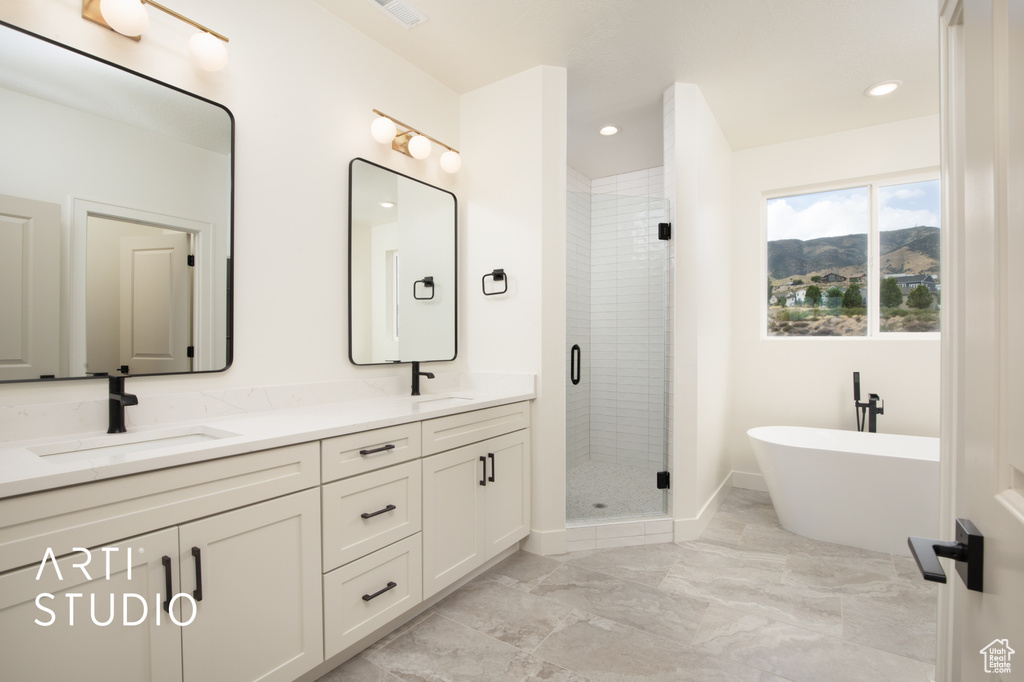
(771, 70)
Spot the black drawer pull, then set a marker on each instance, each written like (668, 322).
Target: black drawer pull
(383, 448)
(483, 476)
(197, 593)
(491, 477)
(370, 515)
(368, 597)
(166, 561)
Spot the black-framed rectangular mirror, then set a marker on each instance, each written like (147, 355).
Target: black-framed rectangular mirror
(401, 268)
(116, 210)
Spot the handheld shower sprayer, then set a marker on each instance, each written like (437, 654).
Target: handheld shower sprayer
(873, 407)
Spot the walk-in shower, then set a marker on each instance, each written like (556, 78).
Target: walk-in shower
(616, 344)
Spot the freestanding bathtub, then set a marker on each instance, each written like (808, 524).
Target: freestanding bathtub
(867, 490)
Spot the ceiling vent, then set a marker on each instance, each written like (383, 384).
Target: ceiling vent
(402, 12)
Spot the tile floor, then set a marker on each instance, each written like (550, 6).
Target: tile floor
(749, 602)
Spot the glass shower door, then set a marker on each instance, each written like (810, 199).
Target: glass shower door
(617, 318)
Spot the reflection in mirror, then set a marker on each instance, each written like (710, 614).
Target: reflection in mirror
(402, 279)
(115, 219)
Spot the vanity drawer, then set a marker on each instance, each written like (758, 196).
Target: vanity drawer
(364, 513)
(366, 594)
(365, 451)
(457, 430)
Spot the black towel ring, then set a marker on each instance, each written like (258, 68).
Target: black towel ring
(428, 282)
(498, 275)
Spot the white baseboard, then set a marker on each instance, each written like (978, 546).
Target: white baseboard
(691, 529)
(742, 479)
(544, 542)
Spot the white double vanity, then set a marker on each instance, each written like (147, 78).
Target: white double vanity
(286, 538)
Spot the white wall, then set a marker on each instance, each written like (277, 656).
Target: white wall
(513, 216)
(808, 382)
(301, 85)
(698, 178)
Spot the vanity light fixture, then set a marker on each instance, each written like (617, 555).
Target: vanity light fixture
(130, 19)
(883, 88)
(411, 142)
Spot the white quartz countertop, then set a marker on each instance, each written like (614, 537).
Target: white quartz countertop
(46, 463)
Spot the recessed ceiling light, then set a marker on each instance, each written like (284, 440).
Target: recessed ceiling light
(608, 130)
(387, 204)
(883, 88)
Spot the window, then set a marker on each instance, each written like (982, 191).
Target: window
(855, 261)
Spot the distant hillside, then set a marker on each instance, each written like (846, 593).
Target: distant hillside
(912, 249)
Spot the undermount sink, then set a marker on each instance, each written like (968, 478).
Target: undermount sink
(120, 444)
(440, 400)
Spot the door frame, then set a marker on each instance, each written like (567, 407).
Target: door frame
(952, 319)
(203, 310)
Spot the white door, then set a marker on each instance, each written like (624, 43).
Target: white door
(982, 633)
(156, 304)
(29, 288)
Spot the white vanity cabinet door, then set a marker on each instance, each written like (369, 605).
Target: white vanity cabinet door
(453, 509)
(507, 493)
(83, 650)
(260, 616)
(475, 506)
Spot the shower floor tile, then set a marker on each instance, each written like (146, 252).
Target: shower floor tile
(601, 490)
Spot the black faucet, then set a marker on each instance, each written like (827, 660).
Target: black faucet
(874, 407)
(118, 401)
(416, 374)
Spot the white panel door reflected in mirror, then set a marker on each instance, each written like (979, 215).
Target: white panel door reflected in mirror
(402, 273)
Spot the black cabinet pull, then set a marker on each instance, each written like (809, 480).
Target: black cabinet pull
(166, 561)
(197, 593)
(490, 478)
(391, 586)
(483, 476)
(370, 515)
(575, 363)
(383, 448)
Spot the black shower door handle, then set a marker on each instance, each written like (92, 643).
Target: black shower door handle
(575, 363)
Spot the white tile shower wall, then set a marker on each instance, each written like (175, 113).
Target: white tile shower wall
(628, 320)
(577, 426)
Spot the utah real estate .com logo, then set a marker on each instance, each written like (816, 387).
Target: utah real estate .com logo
(997, 656)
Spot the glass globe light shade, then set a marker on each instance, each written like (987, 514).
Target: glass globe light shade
(451, 162)
(420, 147)
(383, 130)
(127, 17)
(207, 51)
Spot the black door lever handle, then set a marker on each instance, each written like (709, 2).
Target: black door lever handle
(968, 550)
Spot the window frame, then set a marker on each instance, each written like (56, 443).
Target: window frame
(874, 270)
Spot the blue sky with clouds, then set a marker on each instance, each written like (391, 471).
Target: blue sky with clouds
(846, 211)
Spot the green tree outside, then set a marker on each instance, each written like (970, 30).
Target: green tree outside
(891, 295)
(816, 279)
(834, 296)
(919, 298)
(813, 296)
(852, 297)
